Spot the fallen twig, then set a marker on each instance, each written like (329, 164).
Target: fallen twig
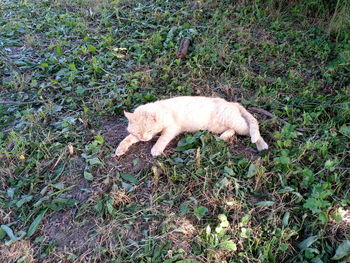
(183, 49)
(269, 114)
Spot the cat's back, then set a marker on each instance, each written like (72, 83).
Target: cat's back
(192, 102)
(194, 113)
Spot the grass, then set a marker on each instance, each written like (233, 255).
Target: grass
(63, 198)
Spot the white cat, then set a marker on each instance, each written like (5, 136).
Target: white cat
(173, 116)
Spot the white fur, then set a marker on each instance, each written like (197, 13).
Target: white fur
(188, 114)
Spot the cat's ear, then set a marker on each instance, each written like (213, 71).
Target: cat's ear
(129, 115)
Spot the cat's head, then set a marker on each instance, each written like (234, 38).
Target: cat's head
(143, 125)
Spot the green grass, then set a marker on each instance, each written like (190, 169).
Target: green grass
(62, 197)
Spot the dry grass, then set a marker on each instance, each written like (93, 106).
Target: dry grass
(18, 250)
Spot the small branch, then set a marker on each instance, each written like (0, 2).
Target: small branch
(183, 49)
(18, 102)
(269, 114)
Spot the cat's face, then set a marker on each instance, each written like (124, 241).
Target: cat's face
(143, 125)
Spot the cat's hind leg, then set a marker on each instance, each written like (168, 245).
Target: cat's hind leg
(125, 144)
(226, 135)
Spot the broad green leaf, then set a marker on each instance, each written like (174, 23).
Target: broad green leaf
(2, 234)
(345, 130)
(25, 199)
(329, 164)
(315, 204)
(245, 220)
(130, 178)
(94, 161)
(34, 225)
(59, 50)
(9, 232)
(283, 247)
(228, 245)
(253, 169)
(316, 260)
(246, 232)
(307, 242)
(88, 176)
(228, 170)
(11, 235)
(323, 217)
(10, 192)
(91, 48)
(99, 139)
(200, 212)
(284, 159)
(110, 207)
(184, 209)
(337, 217)
(221, 231)
(224, 182)
(72, 67)
(186, 143)
(285, 219)
(342, 251)
(80, 90)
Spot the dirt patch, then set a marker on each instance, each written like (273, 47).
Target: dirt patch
(239, 147)
(61, 228)
(81, 188)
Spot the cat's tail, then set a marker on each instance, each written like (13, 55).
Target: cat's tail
(253, 128)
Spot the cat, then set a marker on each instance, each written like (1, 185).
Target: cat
(173, 116)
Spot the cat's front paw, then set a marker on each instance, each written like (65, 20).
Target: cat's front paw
(156, 151)
(119, 151)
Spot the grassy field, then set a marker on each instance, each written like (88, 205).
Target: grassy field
(74, 66)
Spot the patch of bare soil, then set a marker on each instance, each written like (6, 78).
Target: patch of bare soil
(238, 147)
(66, 233)
(81, 189)
(61, 226)
(80, 235)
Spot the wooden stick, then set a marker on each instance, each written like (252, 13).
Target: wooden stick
(268, 114)
(183, 49)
